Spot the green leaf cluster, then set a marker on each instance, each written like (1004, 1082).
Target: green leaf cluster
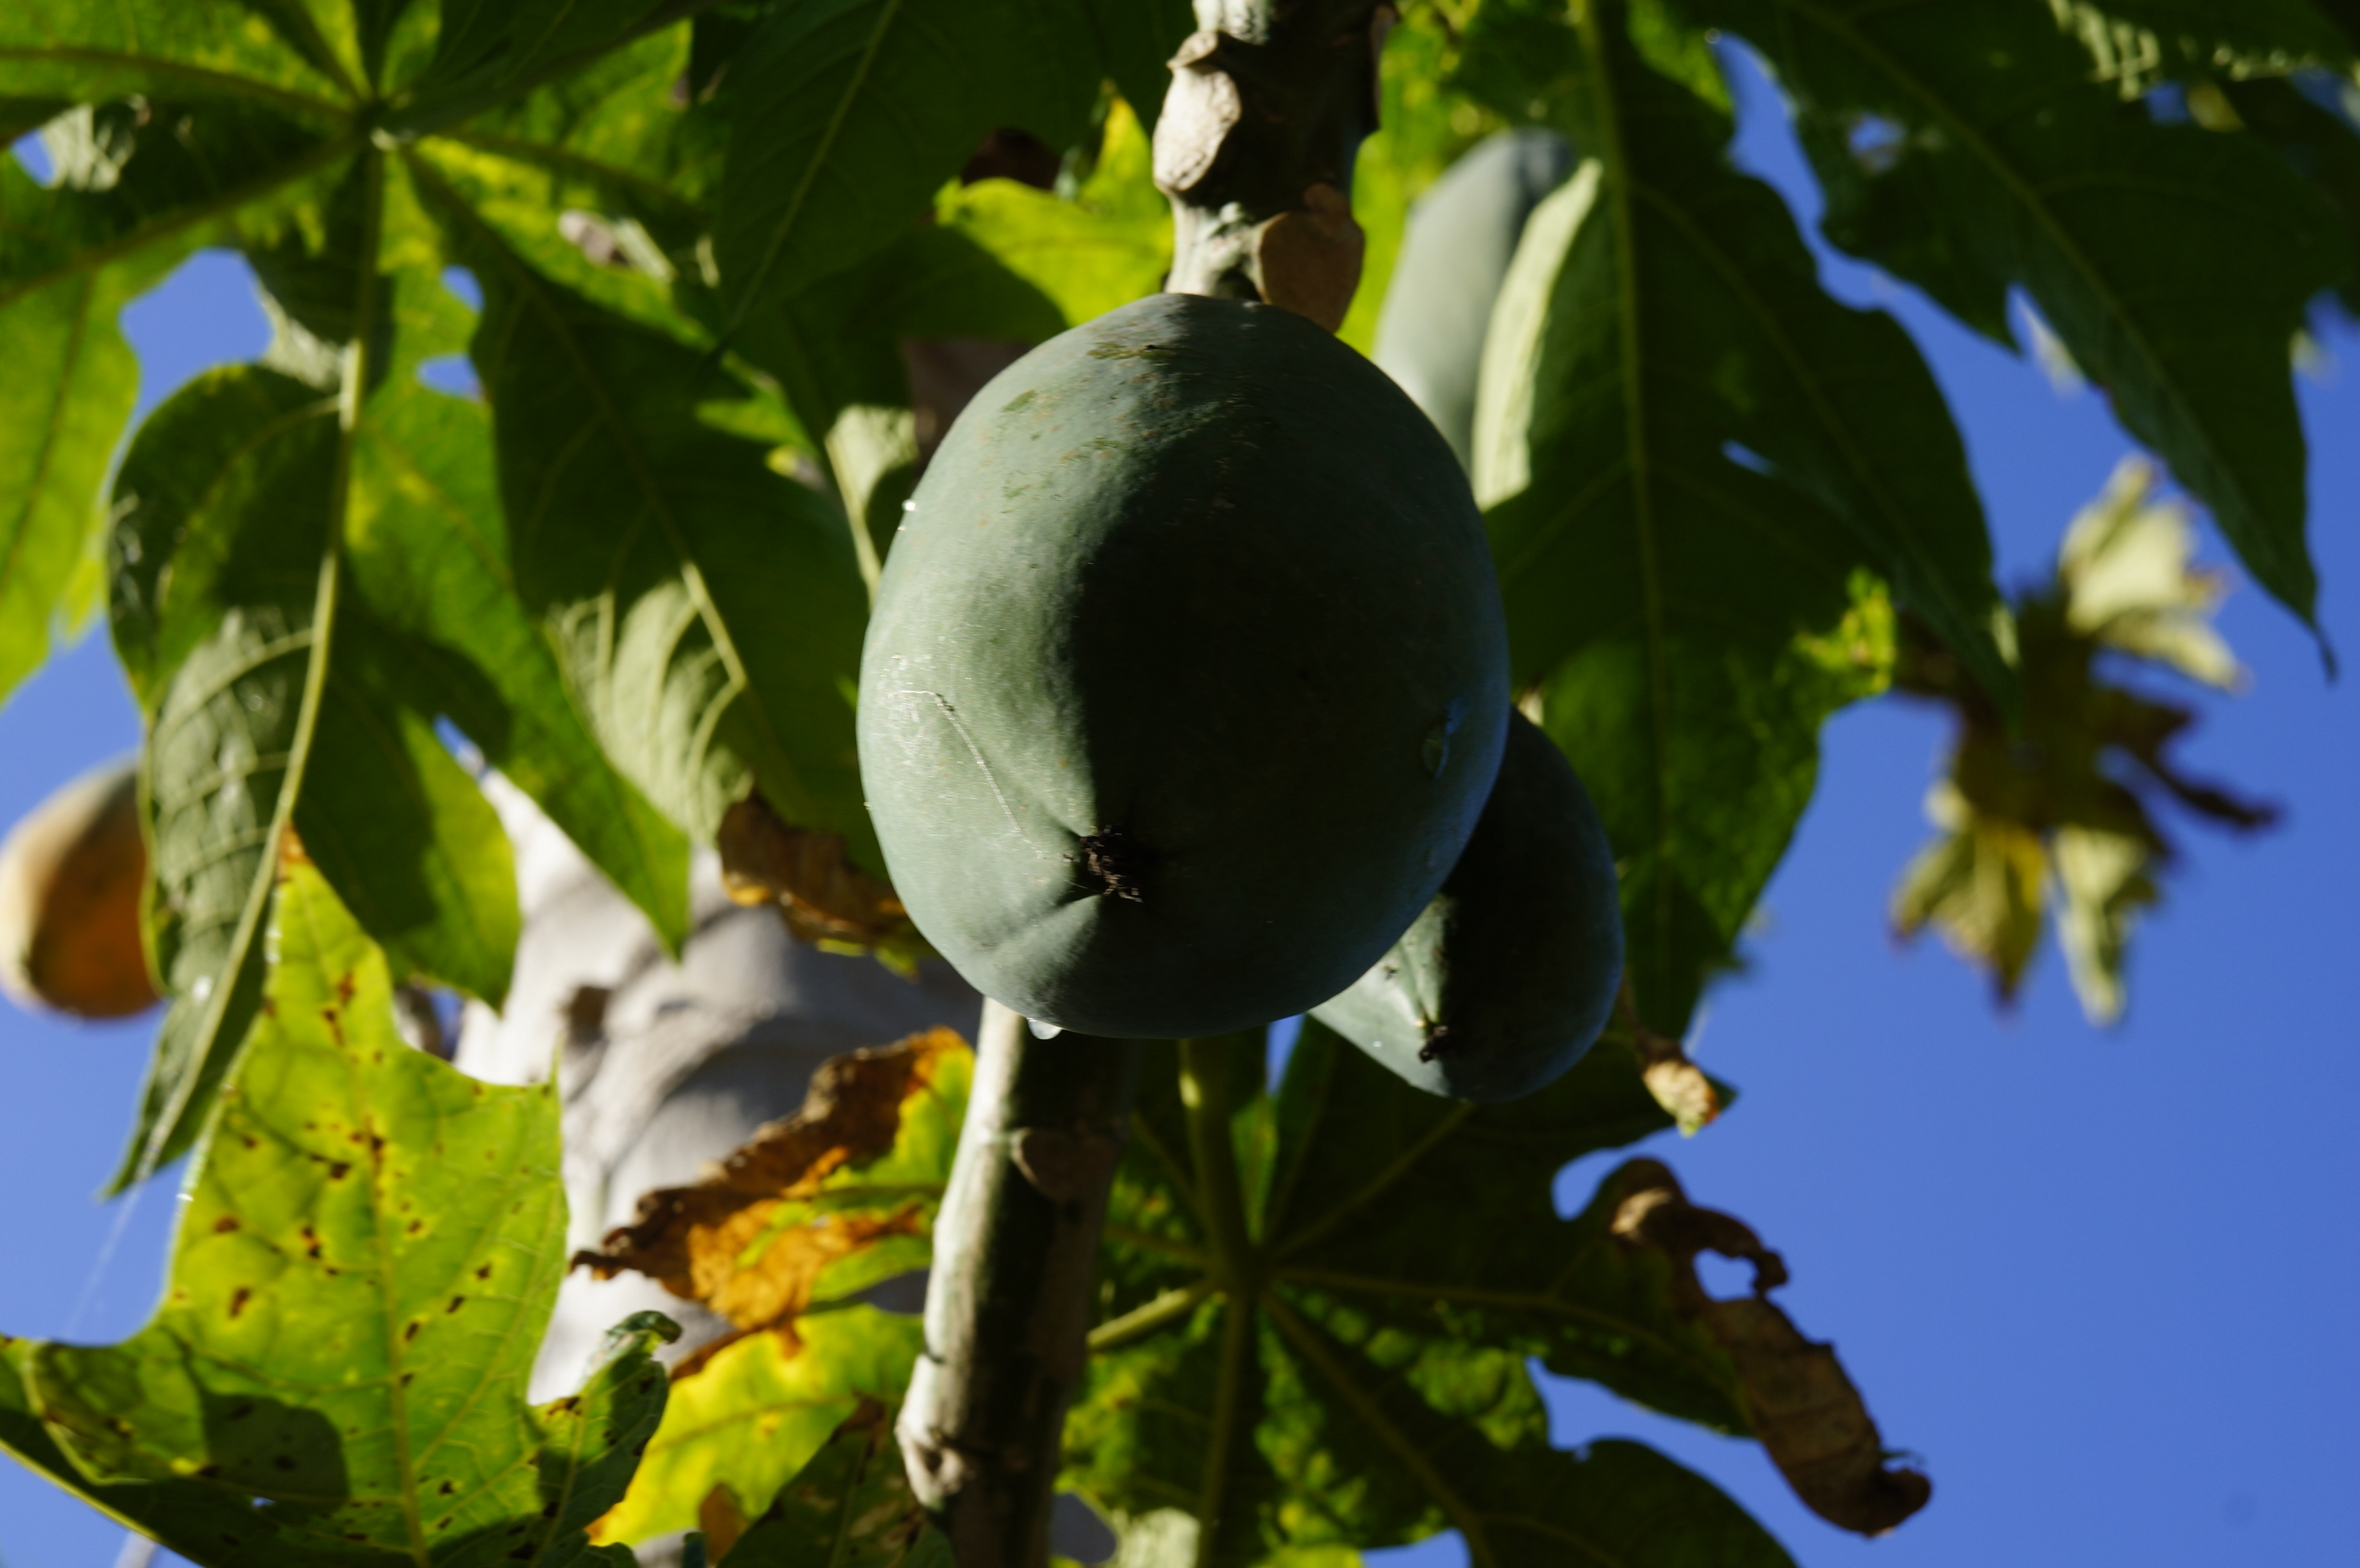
(1317, 1309)
(1710, 485)
(602, 572)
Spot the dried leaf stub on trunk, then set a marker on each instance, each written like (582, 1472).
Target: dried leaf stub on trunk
(825, 1202)
(2059, 815)
(822, 897)
(1802, 1405)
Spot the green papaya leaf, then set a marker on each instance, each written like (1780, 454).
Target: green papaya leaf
(849, 113)
(1692, 459)
(126, 201)
(229, 673)
(2322, 146)
(850, 1508)
(254, 644)
(67, 50)
(228, 580)
(2173, 262)
(1137, 40)
(1107, 246)
(362, 1272)
(1367, 1385)
(513, 41)
(427, 548)
(708, 611)
(609, 138)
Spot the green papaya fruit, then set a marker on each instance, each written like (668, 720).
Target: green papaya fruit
(1186, 680)
(1455, 252)
(1510, 973)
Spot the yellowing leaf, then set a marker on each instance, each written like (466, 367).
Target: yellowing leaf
(2060, 810)
(2125, 569)
(752, 1413)
(360, 1278)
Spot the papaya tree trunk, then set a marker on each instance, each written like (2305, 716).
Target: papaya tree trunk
(1269, 102)
(1008, 1302)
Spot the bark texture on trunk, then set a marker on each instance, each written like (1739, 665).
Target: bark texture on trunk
(1008, 1308)
(1270, 102)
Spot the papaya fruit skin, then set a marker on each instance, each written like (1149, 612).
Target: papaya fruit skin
(1186, 680)
(1455, 253)
(1505, 980)
(71, 872)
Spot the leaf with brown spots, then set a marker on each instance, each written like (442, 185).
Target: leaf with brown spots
(326, 1384)
(820, 1205)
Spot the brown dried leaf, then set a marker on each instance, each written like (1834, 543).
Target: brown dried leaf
(823, 896)
(748, 1241)
(1802, 1403)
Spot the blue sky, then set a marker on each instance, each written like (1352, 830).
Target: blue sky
(2099, 1282)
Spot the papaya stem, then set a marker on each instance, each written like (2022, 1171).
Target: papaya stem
(1008, 1306)
(1268, 107)
(1206, 1093)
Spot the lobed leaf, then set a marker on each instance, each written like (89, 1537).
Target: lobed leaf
(361, 1274)
(708, 611)
(1370, 1387)
(129, 197)
(807, 1208)
(2057, 809)
(66, 49)
(227, 574)
(426, 544)
(1967, 149)
(1105, 248)
(1692, 461)
(780, 1240)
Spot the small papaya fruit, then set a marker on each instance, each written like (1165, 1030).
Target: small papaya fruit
(70, 876)
(1187, 679)
(1510, 973)
(1454, 255)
